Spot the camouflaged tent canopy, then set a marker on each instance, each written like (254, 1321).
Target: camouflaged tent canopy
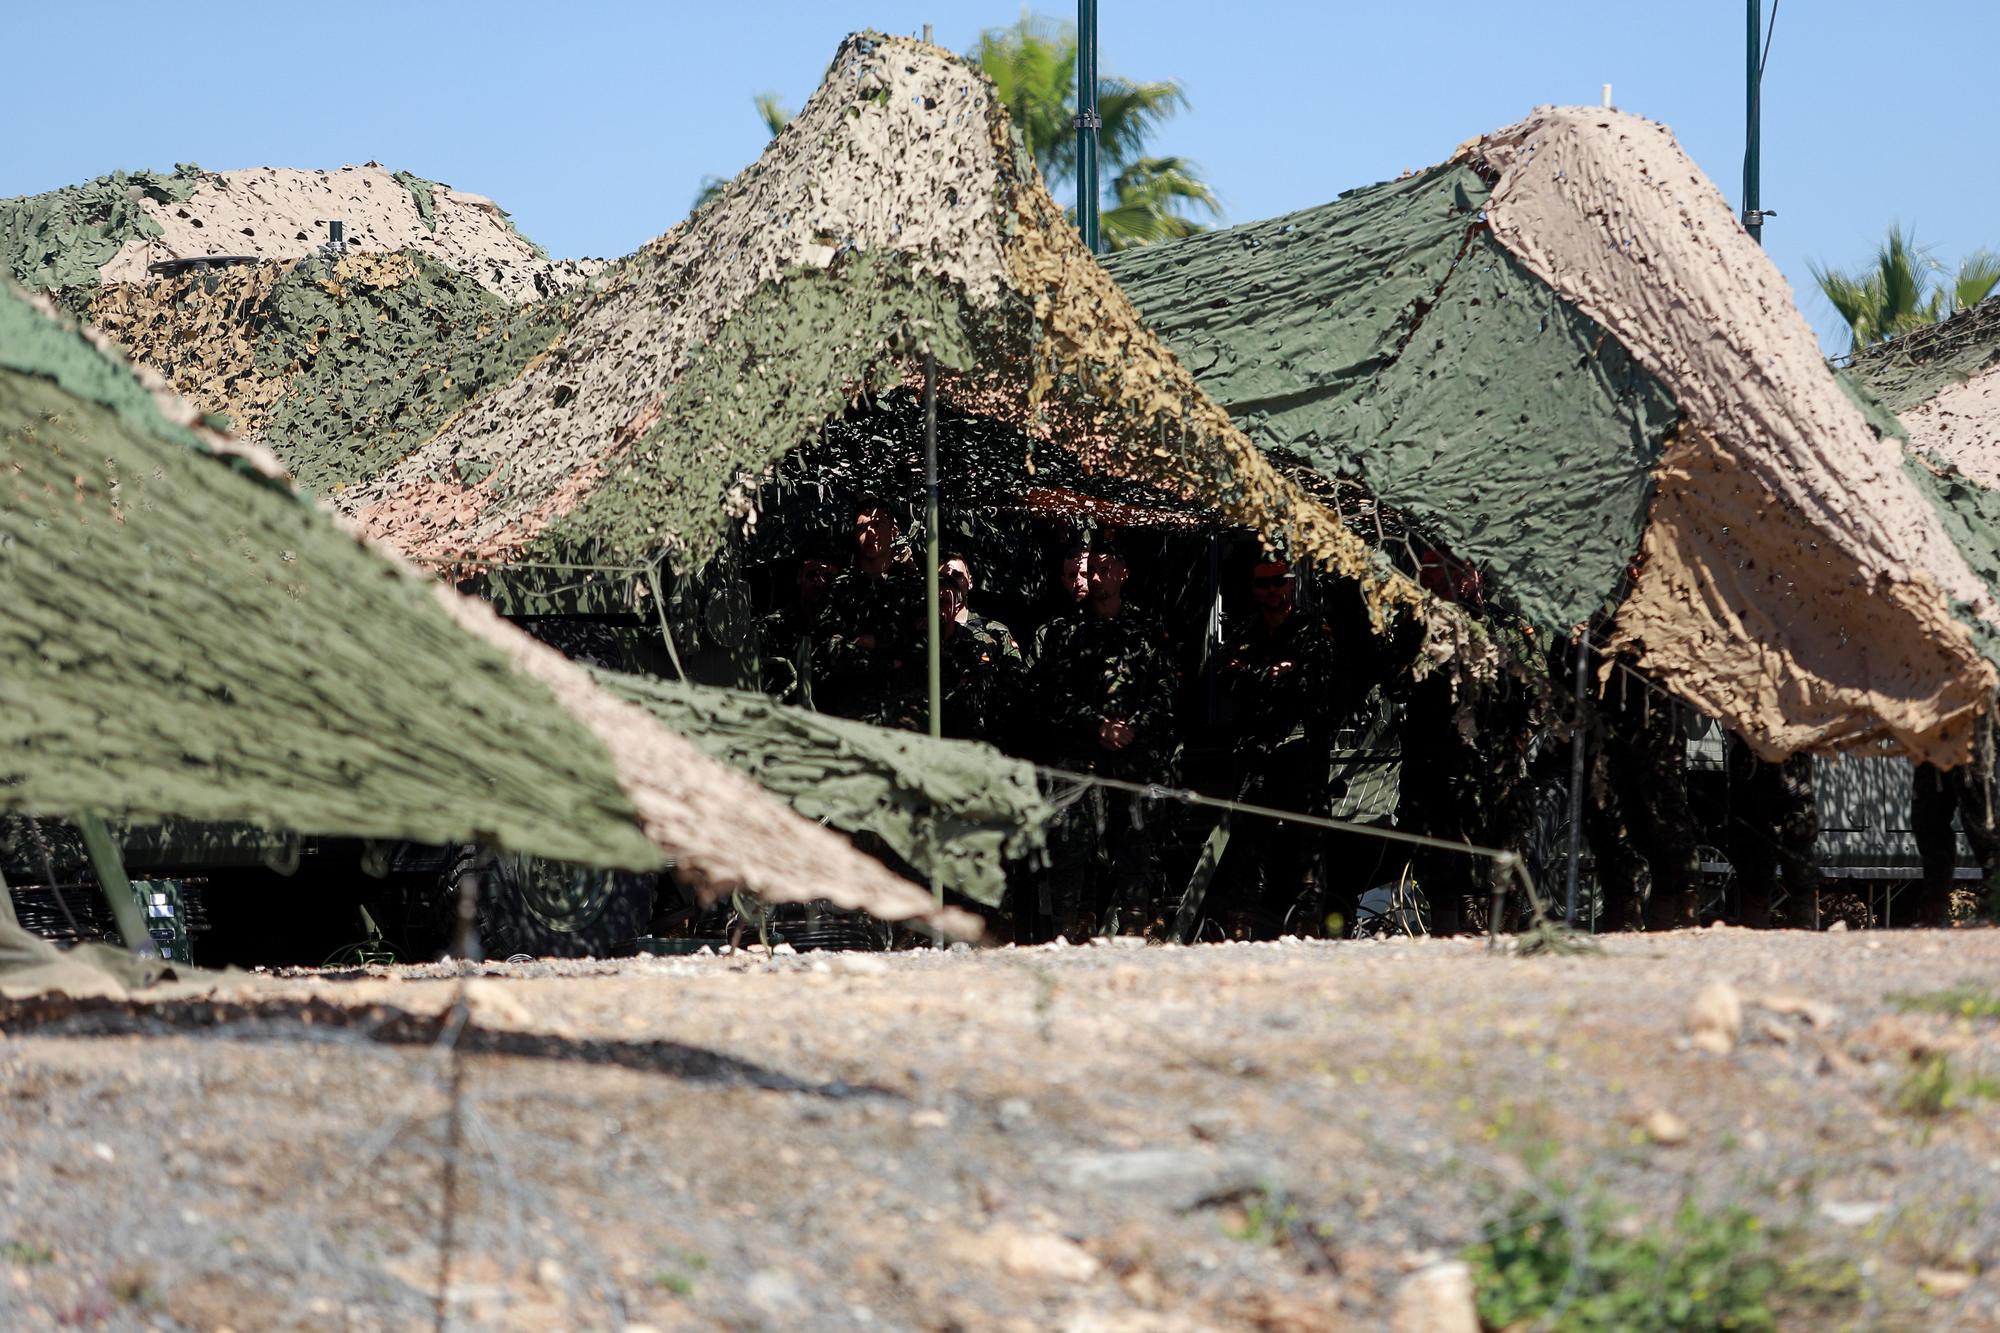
(896, 215)
(112, 229)
(1942, 384)
(186, 637)
(1561, 352)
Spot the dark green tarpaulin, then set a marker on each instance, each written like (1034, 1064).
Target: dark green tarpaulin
(953, 807)
(184, 637)
(1385, 336)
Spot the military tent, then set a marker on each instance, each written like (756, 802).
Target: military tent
(186, 636)
(1560, 352)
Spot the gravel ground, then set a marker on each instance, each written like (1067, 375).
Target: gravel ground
(1113, 1137)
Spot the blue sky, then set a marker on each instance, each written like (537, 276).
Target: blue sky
(593, 123)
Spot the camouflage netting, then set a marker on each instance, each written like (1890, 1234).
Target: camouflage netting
(953, 808)
(895, 216)
(62, 238)
(1943, 384)
(186, 637)
(341, 365)
(111, 229)
(1560, 352)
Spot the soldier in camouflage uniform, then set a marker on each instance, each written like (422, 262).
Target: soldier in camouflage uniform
(786, 636)
(971, 672)
(1637, 816)
(1281, 671)
(1936, 794)
(870, 629)
(1773, 826)
(1106, 681)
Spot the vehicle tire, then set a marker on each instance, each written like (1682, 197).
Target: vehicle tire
(551, 909)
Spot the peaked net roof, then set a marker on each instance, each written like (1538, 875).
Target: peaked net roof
(186, 637)
(895, 215)
(116, 228)
(1561, 352)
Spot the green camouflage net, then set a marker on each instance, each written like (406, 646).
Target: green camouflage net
(341, 368)
(61, 239)
(953, 808)
(185, 637)
(1386, 337)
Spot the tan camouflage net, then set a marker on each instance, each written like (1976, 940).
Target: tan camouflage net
(1793, 579)
(280, 212)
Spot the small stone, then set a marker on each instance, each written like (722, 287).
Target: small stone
(102, 1152)
(1944, 1282)
(1665, 1128)
(773, 1292)
(860, 965)
(1838, 925)
(1852, 1214)
(782, 950)
(549, 1273)
(1039, 1254)
(1816, 1012)
(1437, 1299)
(929, 1118)
(1715, 1020)
(1016, 1109)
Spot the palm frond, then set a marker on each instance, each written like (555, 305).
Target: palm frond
(772, 112)
(1978, 274)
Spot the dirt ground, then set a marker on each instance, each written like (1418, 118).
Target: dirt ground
(1116, 1137)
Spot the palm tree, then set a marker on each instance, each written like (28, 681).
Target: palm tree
(1033, 68)
(1907, 289)
(775, 117)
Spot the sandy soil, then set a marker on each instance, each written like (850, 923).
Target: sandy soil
(1112, 1137)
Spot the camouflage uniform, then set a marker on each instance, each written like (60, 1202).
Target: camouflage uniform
(1935, 795)
(1773, 826)
(785, 655)
(1090, 668)
(971, 679)
(869, 683)
(1641, 827)
(1283, 750)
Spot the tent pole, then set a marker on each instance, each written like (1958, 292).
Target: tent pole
(933, 649)
(1576, 742)
(1087, 122)
(118, 895)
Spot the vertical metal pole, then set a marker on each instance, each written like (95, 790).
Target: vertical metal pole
(933, 649)
(1753, 78)
(1087, 122)
(1576, 744)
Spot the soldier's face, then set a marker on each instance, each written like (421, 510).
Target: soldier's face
(874, 532)
(815, 577)
(1107, 577)
(958, 569)
(951, 594)
(1272, 584)
(1076, 576)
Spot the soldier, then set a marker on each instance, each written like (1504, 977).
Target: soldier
(1068, 588)
(1773, 826)
(971, 660)
(1280, 669)
(957, 564)
(785, 637)
(866, 632)
(1935, 795)
(1105, 680)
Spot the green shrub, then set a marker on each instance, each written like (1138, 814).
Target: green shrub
(1580, 1264)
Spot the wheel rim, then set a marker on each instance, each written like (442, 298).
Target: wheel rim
(565, 898)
